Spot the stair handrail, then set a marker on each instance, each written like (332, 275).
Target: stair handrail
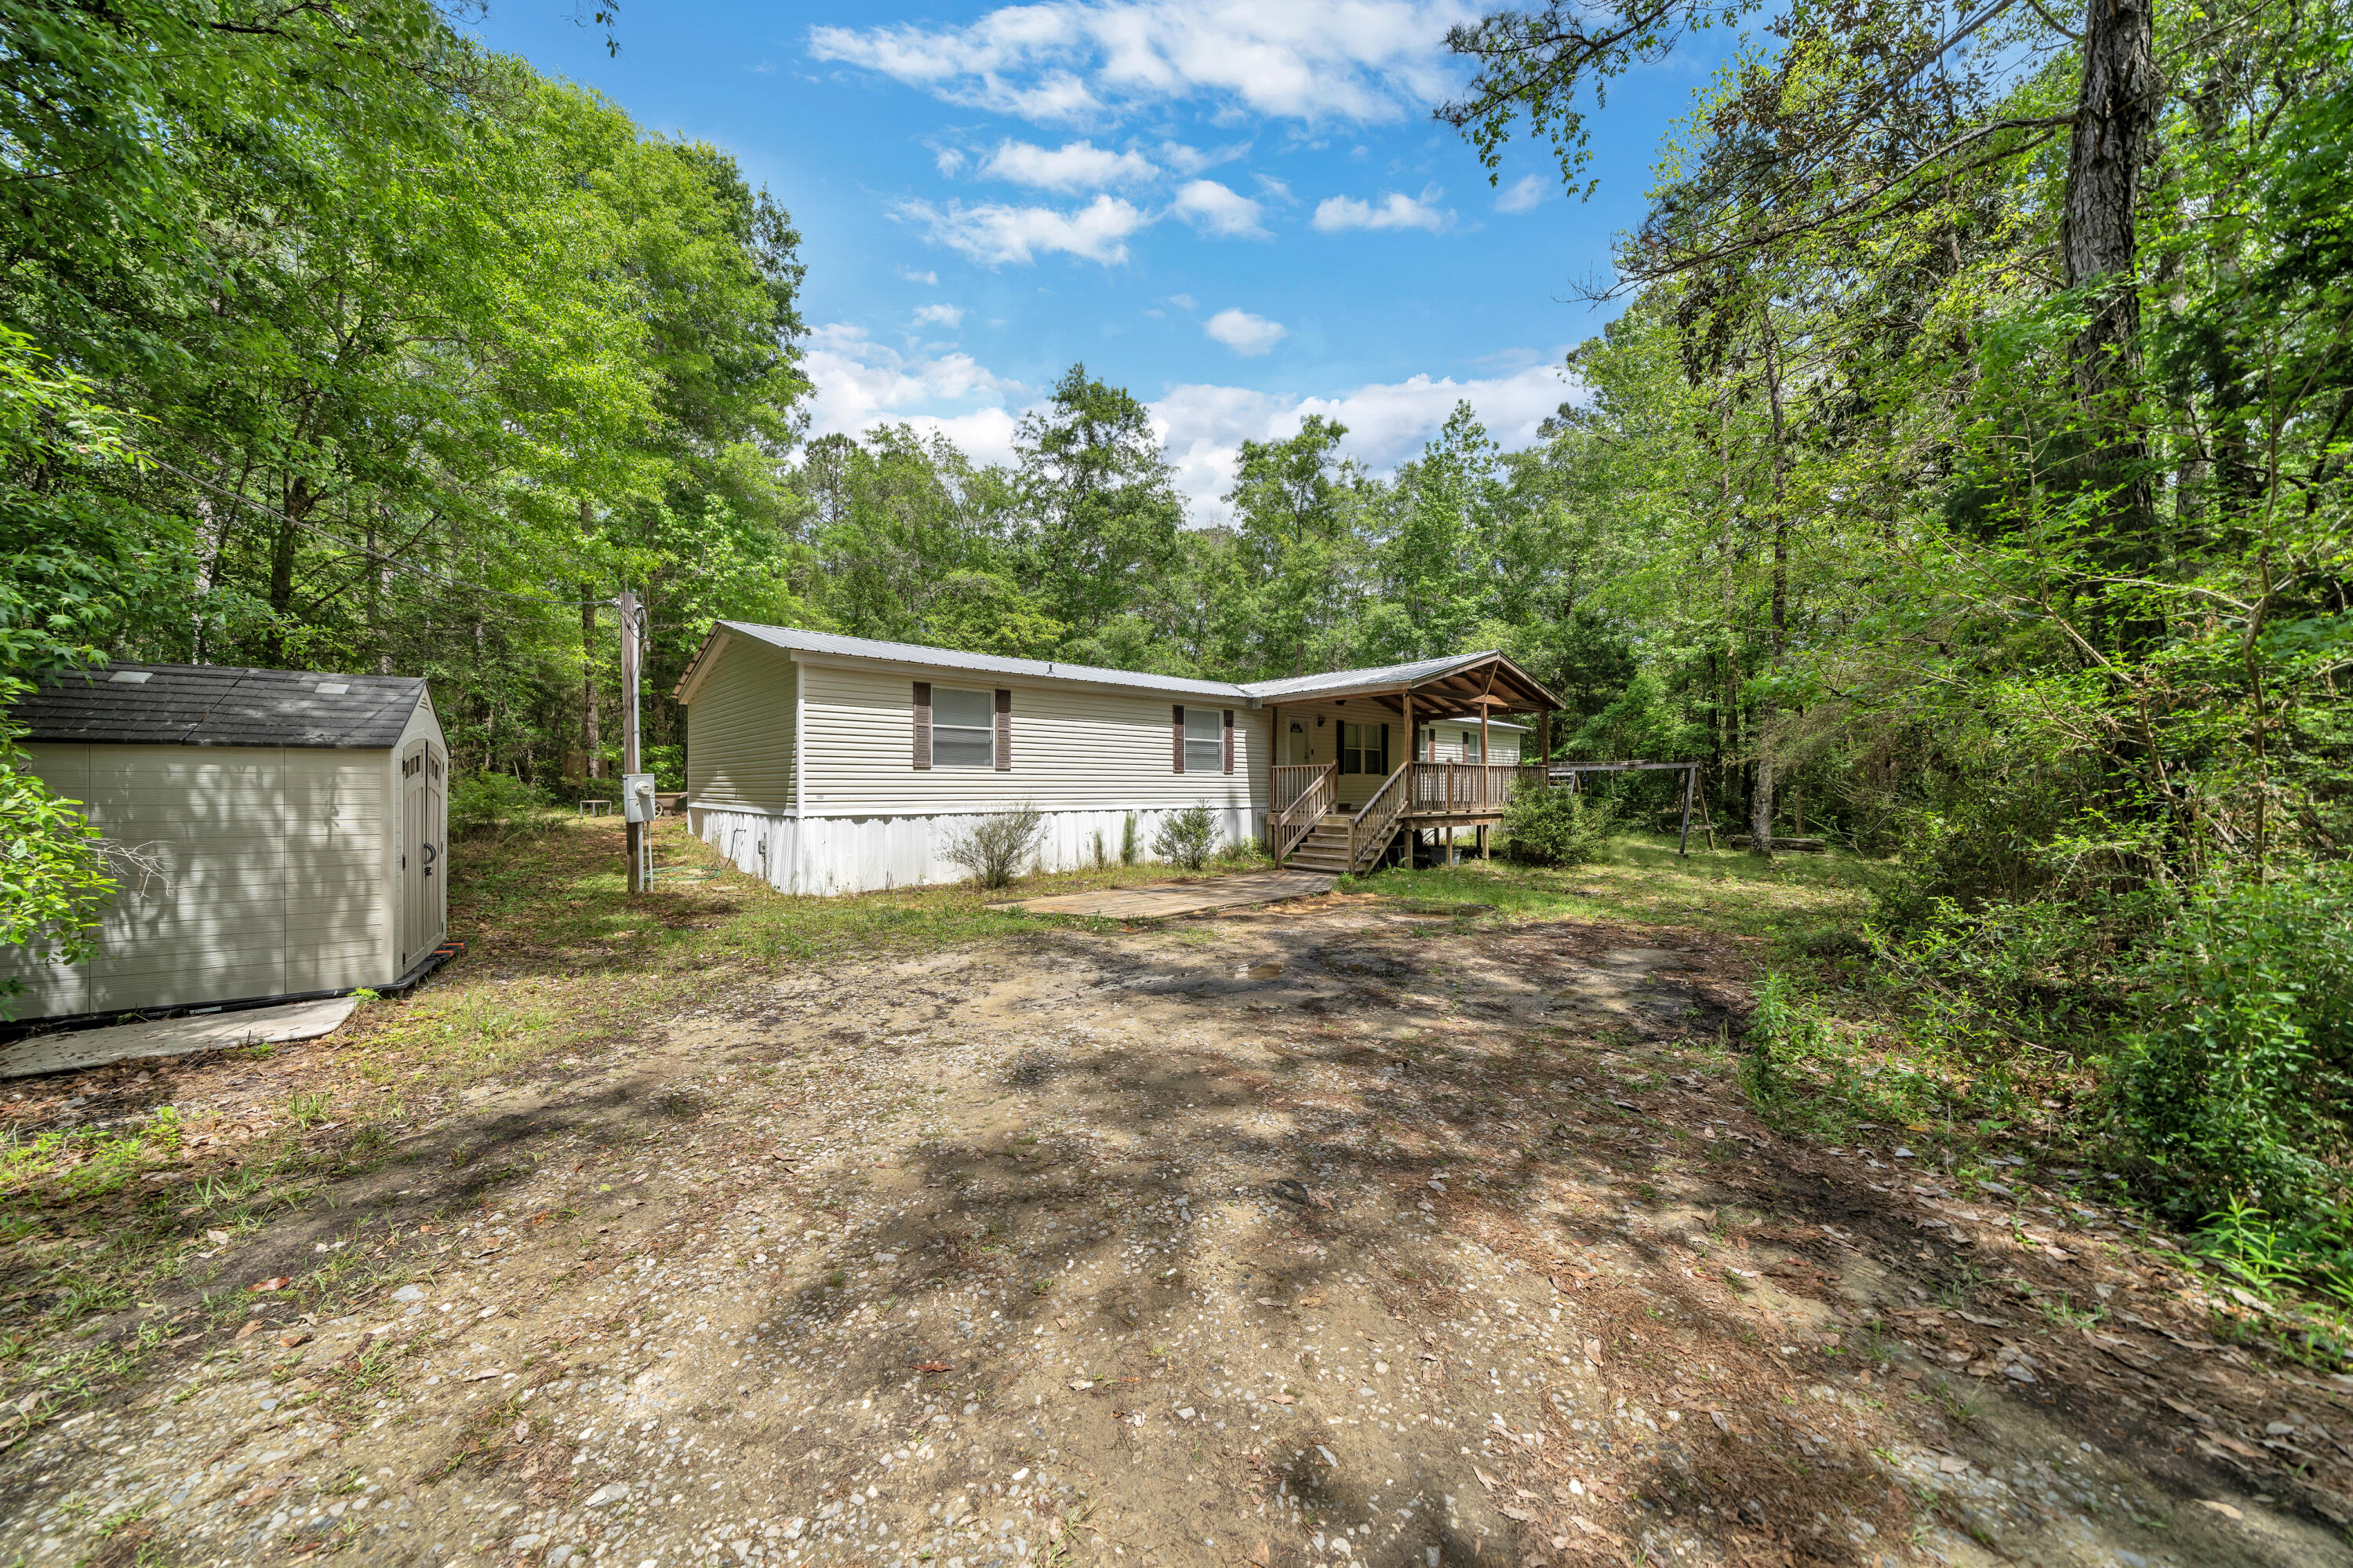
(1375, 824)
(1294, 823)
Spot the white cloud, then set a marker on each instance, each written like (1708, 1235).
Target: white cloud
(929, 280)
(950, 160)
(1215, 210)
(948, 316)
(1184, 301)
(858, 384)
(1069, 61)
(1335, 215)
(1072, 166)
(1522, 195)
(1245, 333)
(1202, 427)
(1188, 160)
(993, 234)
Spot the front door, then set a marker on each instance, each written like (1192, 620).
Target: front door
(1295, 744)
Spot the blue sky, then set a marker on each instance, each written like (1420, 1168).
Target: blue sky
(1239, 209)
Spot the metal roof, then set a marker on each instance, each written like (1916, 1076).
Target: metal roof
(1382, 677)
(1337, 684)
(793, 639)
(218, 704)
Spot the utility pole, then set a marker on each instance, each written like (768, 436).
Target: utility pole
(632, 636)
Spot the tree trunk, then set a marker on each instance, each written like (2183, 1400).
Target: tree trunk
(589, 743)
(1760, 805)
(299, 501)
(2116, 116)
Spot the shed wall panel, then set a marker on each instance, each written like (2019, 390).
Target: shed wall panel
(333, 894)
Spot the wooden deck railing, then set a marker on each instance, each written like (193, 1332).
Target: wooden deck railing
(1370, 829)
(1295, 780)
(1467, 789)
(1310, 790)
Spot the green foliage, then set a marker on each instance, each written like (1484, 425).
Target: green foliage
(999, 847)
(2236, 1083)
(1554, 826)
(492, 805)
(1187, 838)
(54, 882)
(1128, 849)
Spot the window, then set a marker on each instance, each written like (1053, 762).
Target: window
(1471, 745)
(1364, 748)
(1205, 740)
(961, 735)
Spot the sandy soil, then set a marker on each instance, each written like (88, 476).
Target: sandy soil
(1325, 1234)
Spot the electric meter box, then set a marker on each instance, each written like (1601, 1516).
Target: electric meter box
(638, 803)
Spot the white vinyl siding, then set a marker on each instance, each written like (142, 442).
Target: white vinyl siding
(1458, 742)
(739, 730)
(961, 731)
(1073, 749)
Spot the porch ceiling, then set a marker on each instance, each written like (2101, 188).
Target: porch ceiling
(1494, 687)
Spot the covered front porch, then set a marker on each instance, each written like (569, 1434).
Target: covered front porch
(1412, 749)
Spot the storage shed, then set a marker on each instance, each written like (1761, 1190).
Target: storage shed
(297, 822)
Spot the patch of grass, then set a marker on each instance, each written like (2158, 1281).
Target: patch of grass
(1640, 879)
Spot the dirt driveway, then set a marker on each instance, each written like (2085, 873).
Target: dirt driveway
(1328, 1233)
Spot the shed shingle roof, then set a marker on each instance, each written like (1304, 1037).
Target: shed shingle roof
(218, 704)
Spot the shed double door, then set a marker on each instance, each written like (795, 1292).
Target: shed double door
(424, 832)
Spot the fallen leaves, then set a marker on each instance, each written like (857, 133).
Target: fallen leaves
(932, 1366)
(276, 1282)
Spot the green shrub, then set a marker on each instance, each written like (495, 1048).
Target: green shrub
(2238, 1082)
(998, 848)
(1127, 846)
(1554, 826)
(489, 805)
(1188, 838)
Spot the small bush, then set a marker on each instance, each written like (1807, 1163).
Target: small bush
(1554, 826)
(998, 847)
(492, 805)
(1127, 850)
(2238, 1082)
(1188, 838)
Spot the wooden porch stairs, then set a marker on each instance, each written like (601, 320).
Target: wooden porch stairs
(1325, 849)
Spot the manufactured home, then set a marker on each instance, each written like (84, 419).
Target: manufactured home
(830, 764)
(284, 834)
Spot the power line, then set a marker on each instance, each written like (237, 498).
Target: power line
(370, 552)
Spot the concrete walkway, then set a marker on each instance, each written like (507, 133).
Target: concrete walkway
(81, 1048)
(1165, 900)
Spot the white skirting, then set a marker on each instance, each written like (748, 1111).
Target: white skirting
(862, 855)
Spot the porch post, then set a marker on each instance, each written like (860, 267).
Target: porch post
(1273, 756)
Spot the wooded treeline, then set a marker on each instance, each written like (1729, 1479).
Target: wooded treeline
(1967, 468)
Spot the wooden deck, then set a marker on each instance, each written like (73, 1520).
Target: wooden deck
(1166, 900)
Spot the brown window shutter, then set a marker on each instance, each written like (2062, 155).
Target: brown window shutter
(1229, 740)
(1386, 770)
(1004, 731)
(1177, 736)
(923, 724)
